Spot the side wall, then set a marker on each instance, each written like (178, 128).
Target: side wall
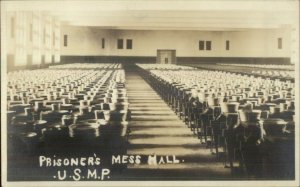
(32, 40)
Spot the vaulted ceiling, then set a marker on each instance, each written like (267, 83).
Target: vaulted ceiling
(168, 14)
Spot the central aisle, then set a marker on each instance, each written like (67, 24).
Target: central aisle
(156, 130)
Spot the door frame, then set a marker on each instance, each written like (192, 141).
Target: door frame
(173, 59)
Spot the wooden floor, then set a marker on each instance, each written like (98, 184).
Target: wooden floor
(156, 130)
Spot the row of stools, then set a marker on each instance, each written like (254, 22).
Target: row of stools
(275, 73)
(264, 66)
(88, 66)
(244, 120)
(164, 67)
(264, 73)
(79, 112)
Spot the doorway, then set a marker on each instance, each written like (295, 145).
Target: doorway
(166, 56)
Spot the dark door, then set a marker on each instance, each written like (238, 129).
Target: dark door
(166, 56)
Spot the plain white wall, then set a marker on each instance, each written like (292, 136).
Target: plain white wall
(86, 41)
(257, 43)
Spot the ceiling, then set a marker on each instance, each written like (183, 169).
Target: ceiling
(168, 14)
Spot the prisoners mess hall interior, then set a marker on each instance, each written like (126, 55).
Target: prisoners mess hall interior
(158, 90)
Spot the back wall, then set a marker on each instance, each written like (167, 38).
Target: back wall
(249, 45)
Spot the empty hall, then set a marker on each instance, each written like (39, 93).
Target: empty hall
(119, 92)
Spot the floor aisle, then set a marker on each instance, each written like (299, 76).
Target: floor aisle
(156, 130)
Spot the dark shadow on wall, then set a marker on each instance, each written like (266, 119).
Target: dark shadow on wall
(239, 60)
(180, 60)
(108, 59)
(146, 59)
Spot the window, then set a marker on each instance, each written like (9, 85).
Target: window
(279, 43)
(65, 40)
(227, 45)
(208, 45)
(201, 45)
(53, 40)
(12, 33)
(103, 43)
(30, 32)
(129, 44)
(44, 35)
(120, 43)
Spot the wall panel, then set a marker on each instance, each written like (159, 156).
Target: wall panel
(29, 37)
(255, 43)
